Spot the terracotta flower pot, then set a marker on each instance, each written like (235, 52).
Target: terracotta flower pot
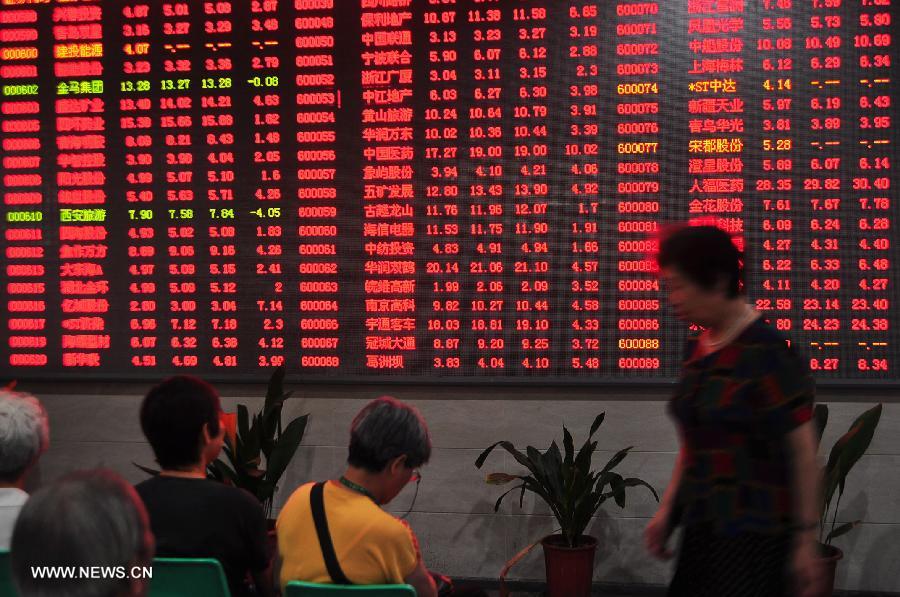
(570, 570)
(830, 557)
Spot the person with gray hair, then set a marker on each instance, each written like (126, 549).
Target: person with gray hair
(336, 532)
(24, 436)
(386, 430)
(89, 520)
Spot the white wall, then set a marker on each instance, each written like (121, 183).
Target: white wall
(453, 516)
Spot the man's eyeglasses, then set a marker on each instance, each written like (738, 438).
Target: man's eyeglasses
(417, 477)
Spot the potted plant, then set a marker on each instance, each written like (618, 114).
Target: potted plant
(250, 439)
(261, 436)
(574, 491)
(845, 453)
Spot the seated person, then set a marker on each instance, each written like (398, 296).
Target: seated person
(85, 519)
(388, 442)
(192, 516)
(24, 436)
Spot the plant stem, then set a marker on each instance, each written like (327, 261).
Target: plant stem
(822, 520)
(834, 518)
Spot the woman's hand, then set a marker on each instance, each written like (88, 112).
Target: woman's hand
(807, 571)
(656, 535)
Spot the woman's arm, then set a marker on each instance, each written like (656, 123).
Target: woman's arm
(668, 499)
(807, 482)
(660, 527)
(806, 490)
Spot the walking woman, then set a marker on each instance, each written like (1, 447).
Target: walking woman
(745, 485)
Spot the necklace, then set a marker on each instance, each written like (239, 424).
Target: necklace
(357, 488)
(733, 331)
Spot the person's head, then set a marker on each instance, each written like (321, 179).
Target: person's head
(180, 418)
(88, 518)
(24, 435)
(701, 269)
(389, 441)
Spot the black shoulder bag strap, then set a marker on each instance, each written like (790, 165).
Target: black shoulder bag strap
(317, 503)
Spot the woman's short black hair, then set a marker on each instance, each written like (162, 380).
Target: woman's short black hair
(385, 429)
(172, 417)
(705, 255)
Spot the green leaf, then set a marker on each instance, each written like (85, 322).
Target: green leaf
(585, 456)
(635, 482)
(618, 458)
(506, 493)
(224, 471)
(582, 512)
(256, 425)
(271, 412)
(525, 461)
(553, 468)
(569, 447)
(520, 458)
(285, 449)
(247, 440)
(618, 489)
(569, 472)
(275, 391)
(537, 465)
(602, 479)
(233, 456)
(842, 530)
(536, 487)
(553, 456)
(847, 450)
(820, 416)
(150, 471)
(267, 434)
(829, 485)
(479, 462)
(243, 420)
(213, 473)
(499, 478)
(596, 424)
(270, 422)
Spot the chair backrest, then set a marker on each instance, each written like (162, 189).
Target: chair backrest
(297, 588)
(177, 577)
(7, 588)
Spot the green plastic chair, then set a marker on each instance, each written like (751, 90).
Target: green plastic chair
(180, 577)
(7, 588)
(297, 588)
